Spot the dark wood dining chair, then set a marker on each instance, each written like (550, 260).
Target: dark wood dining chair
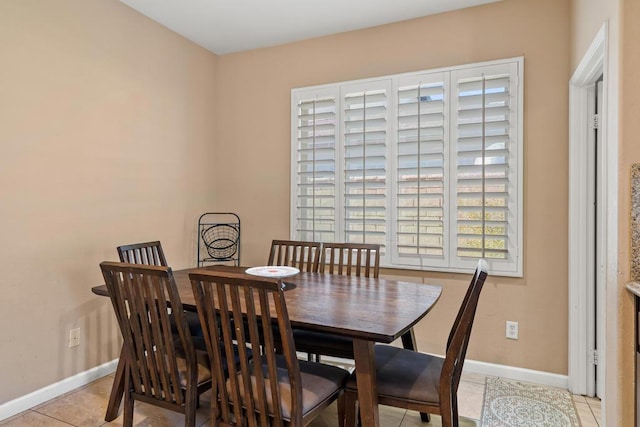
(162, 368)
(351, 259)
(151, 253)
(271, 389)
(295, 253)
(423, 382)
(305, 256)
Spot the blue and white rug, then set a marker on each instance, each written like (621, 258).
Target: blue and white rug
(509, 403)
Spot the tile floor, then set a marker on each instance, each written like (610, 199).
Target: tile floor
(85, 407)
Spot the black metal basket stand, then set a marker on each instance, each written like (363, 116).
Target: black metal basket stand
(218, 238)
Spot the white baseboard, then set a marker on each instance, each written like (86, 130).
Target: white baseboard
(515, 373)
(52, 391)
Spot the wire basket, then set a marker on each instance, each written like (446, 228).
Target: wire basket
(221, 241)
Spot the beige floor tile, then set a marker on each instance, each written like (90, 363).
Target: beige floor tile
(579, 398)
(146, 415)
(84, 407)
(33, 419)
(390, 416)
(593, 402)
(6, 420)
(596, 408)
(474, 378)
(327, 418)
(585, 415)
(412, 419)
(597, 413)
(470, 399)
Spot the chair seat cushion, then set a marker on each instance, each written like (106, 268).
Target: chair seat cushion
(202, 357)
(193, 322)
(318, 381)
(203, 364)
(323, 343)
(405, 374)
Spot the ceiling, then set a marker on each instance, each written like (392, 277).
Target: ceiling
(226, 26)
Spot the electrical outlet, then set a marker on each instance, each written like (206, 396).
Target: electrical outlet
(512, 330)
(74, 337)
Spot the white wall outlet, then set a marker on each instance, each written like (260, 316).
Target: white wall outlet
(74, 337)
(512, 330)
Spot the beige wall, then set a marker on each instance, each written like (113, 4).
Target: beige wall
(254, 163)
(107, 137)
(587, 16)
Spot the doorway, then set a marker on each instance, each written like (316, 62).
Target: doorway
(588, 216)
(601, 59)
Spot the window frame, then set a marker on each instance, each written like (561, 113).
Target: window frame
(390, 258)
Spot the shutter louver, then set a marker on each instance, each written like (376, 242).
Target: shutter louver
(420, 169)
(316, 166)
(365, 121)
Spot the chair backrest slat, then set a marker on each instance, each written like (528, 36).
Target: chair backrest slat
(149, 253)
(252, 395)
(139, 295)
(351, 259)
(303, 255)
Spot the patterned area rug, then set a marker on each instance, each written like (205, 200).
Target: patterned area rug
(509, 403)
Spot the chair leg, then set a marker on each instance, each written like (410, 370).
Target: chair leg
(190, 414)
(127, 420)
(454, 411)
(341, 410)
(449, 411)
(191, 405)
(351, 409)
(117, 390)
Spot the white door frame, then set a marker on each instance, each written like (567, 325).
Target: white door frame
(596, 62)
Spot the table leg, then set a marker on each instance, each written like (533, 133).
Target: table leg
(366, 382)
(409, 340)
(117, 390)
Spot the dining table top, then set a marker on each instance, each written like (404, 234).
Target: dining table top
(373, 309)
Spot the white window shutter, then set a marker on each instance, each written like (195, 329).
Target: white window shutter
(484, 190)
(314, 134)
(365, 142)
(427, 164)
(421, 220)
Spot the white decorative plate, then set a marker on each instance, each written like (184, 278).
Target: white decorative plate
(272, 271)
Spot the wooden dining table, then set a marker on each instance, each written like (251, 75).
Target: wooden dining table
(369, 310)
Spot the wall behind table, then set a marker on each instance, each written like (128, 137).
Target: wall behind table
(253, 168)
(107, 135)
